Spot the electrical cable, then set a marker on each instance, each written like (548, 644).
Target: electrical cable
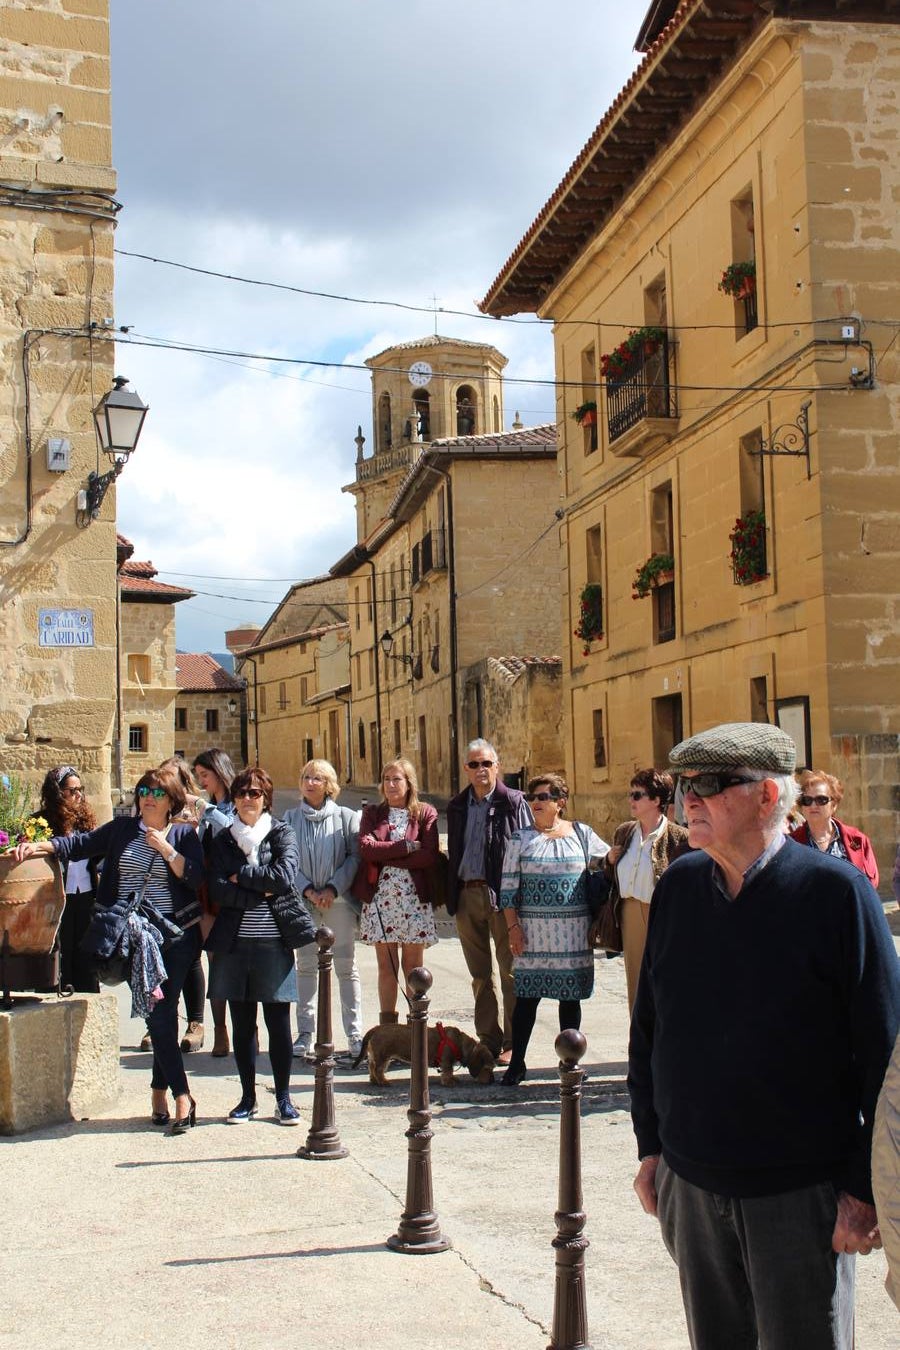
(439, 309)
(167, 344)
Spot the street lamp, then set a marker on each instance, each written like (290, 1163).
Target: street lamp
(118, 418)
(386, 642)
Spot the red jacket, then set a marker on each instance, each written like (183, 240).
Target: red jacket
(857, 845)
(377, 850)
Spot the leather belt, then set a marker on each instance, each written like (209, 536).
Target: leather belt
(475, 881)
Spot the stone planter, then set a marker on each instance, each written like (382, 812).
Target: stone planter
(31, 904)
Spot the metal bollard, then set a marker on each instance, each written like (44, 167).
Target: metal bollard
(570, 1328)
(323, 1141)
(419, 1233)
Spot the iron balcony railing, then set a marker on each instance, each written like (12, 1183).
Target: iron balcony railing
(647, 390)
(430, 555)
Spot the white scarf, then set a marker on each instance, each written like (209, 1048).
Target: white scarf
(249, 837)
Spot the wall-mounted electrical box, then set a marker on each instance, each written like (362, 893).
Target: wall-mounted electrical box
(59, 451)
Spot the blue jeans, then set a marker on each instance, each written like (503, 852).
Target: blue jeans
(168, 1064)
(759, 1272)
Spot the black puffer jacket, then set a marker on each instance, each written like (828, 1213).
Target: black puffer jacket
(272, 880)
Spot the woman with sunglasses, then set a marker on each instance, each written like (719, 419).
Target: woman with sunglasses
(543, 896)
(820, 796)
(253, 871)
(398, 848)
(65, 808)
(147, 854)
(642, 849)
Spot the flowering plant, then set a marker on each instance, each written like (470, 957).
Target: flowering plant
(17, 825)
(590, 623)
(739, 279)
(748, 548)
(645, 578)
(586, 413)
(614, 365)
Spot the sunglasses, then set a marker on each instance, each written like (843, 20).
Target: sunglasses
(252, 793)
(806, 800)
(636, 796)
(711, 784)
(156, 792)
(479, 763)
(542, 796)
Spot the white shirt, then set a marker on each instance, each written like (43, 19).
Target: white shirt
(634, 869)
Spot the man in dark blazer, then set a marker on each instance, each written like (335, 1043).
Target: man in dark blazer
(480, 820)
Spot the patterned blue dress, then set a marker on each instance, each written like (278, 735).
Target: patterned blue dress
(543, 879)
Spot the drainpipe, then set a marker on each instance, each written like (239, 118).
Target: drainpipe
(375, 651)
(451, 581)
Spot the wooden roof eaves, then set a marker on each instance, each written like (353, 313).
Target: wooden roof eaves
(656, 90)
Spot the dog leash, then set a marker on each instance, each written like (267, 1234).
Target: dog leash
(389, 946)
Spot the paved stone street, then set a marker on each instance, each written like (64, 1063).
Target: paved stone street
(222, 1237)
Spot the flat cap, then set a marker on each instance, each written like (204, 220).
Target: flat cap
(737, 745)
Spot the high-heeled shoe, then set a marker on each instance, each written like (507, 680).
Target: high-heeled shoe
(185, 1123)
(159, 1117)
(513, 1076)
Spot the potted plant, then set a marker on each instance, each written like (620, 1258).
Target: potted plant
(27, 888)
(586, 413)
(17, 824)
(643, 341)
(748, 548)
(656, 571)
(739, 279)
(590, 623)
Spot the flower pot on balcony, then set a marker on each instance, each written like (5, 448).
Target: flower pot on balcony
(662, 578)
(32, 898)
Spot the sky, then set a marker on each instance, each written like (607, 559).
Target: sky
(396, 152)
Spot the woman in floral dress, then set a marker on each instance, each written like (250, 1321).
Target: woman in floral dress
(398, 848)
(543, 895)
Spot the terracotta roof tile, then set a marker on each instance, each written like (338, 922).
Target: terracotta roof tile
(199, 672)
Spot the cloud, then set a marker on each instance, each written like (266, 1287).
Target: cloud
(394, 151)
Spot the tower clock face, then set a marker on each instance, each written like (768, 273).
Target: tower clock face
(420, 373)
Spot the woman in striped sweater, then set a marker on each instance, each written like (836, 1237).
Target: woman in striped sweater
(253, 867)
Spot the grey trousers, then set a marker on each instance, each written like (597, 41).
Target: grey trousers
(758, 1274)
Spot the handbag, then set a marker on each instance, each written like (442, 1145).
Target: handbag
(605, 931)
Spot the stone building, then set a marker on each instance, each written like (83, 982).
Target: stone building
(208, 708)
(57, 564)
(721, 262)
(148, 690)
(456, 561)
(296, 669)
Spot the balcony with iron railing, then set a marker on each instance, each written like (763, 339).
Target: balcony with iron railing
(429, 555)
(641, 407)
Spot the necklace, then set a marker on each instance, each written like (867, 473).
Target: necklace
(822, 841)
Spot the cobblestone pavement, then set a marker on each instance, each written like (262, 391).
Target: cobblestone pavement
(223, 1237)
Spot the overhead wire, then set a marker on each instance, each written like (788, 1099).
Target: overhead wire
(454, 313)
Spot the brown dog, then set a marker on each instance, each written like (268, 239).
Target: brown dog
(446, 1046)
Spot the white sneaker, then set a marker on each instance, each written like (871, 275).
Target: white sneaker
(303, 1048)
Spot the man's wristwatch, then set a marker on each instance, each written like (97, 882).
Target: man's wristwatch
(172, 856)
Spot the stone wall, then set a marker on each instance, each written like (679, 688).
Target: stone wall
(148, 705)
(56, 273)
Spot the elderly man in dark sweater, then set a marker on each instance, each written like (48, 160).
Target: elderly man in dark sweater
(767, 1007)
(480, 820)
